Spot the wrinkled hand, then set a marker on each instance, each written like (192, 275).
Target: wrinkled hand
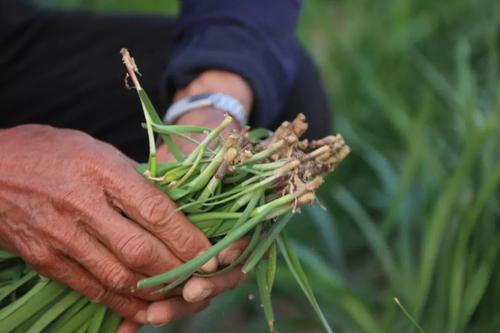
(67, 202)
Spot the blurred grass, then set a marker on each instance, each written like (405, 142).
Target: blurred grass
(414, 212)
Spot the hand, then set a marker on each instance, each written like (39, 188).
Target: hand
(67, 202)
(198, 290)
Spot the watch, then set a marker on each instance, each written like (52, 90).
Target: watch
(219, 101)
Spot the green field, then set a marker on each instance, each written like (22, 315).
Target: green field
(415, 211)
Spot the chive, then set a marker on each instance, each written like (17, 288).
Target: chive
(96, 323)
(269, 240)
(83, 328)
(265, 294)
(408, 315)
(204, 177)
(68, 314)
(10, 273)
(80, 319)
(297, 271)
(196, 218)
(19, 283)
(177, 282)
(44, 296)
(189, 173)
(234, 177)
(271, 269)
(265, 153)
(111, 322)
(146, 105)
(4, 255)
(258, 134)
(209, 138)
(178, 129)
(68, 300)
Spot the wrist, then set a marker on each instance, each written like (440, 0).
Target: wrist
(204, 117)
(210, 81)
(219, 81)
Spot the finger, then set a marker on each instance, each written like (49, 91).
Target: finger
(66, 271)
(233, 251)
(153, 210)
(98, 260)
(161, 313)
(128, 326)
(79, 245)
(198, 288)
(134, 246)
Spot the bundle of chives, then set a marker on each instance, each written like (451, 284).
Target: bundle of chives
(245, 184)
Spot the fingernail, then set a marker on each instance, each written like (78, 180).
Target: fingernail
(150, 319)
(209, 266)
(230, 256)
(197, 294)
(141, 317)
(156, 315)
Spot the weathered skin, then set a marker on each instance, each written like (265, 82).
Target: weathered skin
(66, 205)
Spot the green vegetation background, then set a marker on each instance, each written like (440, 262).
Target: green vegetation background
(414, 212)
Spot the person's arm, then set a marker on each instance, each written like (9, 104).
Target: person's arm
(245, 49)
(254, 39)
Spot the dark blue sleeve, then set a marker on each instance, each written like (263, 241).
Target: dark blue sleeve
(254, 38)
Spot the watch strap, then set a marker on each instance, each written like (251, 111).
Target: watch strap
(220, 101)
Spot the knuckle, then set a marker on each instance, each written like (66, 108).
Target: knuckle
(43, 259)
(91, 153)
(95, 293)
(61, 275)
(186, 242)
(74, 237)
(89, 158)
(136, 250)
(157, 210)
(116, 277)
(123, 305)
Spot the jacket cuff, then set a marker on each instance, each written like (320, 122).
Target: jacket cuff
(235, 49)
